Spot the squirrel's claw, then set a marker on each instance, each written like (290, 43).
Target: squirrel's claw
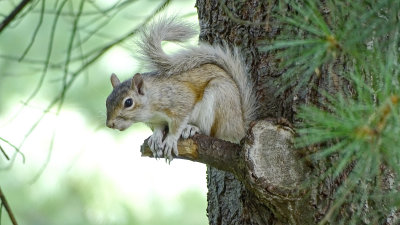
(155, 143)
(170, 145)
(189, 131)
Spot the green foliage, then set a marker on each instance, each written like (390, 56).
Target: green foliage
(356, 127)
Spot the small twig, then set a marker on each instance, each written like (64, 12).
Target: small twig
(1, 210)
(69, 52)
(15, 147)
(17, 20)
(7, 207)
(95, 30)
(114, 6)
(28, 61)
(13, 14)
(46, 163)
(35, 32)
(4, 153)
(91, 13)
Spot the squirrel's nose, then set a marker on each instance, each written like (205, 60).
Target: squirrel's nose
(110, 124)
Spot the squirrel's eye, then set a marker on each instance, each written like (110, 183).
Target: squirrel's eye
(128, 103)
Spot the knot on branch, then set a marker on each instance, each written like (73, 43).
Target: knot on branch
(270, 158)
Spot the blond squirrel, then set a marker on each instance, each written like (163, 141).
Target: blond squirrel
(199, 89)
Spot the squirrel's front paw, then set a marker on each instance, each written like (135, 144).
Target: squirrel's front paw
(155, 143)
(170, 145)
(189, 131)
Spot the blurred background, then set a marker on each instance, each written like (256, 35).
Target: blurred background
(55, 61)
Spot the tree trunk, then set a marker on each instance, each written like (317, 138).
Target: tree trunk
(244, 23)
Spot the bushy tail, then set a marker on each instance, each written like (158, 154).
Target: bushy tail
(162, 29)
(171, 29)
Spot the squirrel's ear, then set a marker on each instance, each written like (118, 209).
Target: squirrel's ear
(114, 80)
(137, 83)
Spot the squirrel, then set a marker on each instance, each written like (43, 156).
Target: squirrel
(199, 89)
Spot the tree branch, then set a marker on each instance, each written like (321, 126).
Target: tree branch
(4, 153)
(218, 153)
(7, 207)
(13, 14)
